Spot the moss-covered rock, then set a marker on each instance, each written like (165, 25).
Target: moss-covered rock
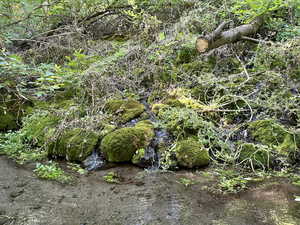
(190, 154)
(138, 156)
(106, 129)
(272, 134)
(254, 155)
(73, 144)
(125, 109)
(121, 145)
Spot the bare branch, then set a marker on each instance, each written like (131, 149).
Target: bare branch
(218, 38)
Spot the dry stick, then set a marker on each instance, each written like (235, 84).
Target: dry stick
(109, 10)
(219, 38)
(47, 32)
(245, 70)
(222, 110)
(258, 41)
(217, 32)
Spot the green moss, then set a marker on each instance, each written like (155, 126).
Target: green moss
(125, 109)
(121, 145)
(107, 128)
(198, 66)
(272, 134)
(183, 121)
(8, 121)
(156, 108)
(190, 154)
(173, 102)
(74, 144)
(138, 156)
(254, 155)
(145, 125)
(185, 54)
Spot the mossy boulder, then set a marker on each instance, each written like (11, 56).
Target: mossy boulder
(190, 154)
(272, 134)
(255, 155)
(106, 129)
(73, 144)
(125, 109)
(121, 145)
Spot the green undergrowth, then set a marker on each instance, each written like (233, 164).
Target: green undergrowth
(52, 171)
(112, 177)
(237, 106)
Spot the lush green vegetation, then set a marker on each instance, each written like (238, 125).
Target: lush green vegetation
(74, 75)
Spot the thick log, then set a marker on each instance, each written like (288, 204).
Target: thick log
(218, 38)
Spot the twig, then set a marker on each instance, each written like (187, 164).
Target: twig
(109, 10)
(47, 32)
(258, 41)
(222, 110)
(217, 32)
(245, 70)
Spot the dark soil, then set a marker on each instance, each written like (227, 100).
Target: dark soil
(142, 198)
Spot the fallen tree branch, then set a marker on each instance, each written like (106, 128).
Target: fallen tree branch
(107, 11)
(218, 38)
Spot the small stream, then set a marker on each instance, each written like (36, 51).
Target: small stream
(150, 160)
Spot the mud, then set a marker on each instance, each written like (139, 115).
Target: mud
(142, 198)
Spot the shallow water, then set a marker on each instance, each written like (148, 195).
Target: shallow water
(144, 197)
(94, 161)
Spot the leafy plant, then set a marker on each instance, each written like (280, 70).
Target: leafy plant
(12, 145)
(52, 171)
(249, 9)
(186, 182)
(167, 158)
(77, 168)
(231, 182)
(112, 177)
(232, 185)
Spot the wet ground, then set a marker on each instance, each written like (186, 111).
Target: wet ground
(143, 198)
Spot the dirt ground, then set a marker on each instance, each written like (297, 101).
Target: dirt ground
(143, 198)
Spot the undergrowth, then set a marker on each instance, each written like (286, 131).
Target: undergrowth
(212, 98)
(52, 171)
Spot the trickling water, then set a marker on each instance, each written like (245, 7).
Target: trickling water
(150, 160)
(94, 161)
(162, 137)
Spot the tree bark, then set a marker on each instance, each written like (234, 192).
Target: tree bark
(218, 38)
